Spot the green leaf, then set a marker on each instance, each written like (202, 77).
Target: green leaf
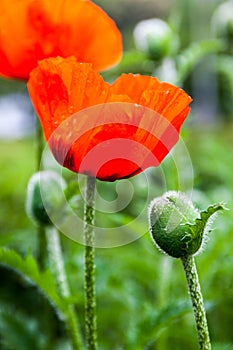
(132, 62)
(224, 67)
(72, 190)
(28, 268)
(196, 232)
(199, 227)
(19, 331)
(162, 319)
(190, 57)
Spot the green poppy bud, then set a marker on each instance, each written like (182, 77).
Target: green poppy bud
(156, 38)
(176, 226)
(45, 200)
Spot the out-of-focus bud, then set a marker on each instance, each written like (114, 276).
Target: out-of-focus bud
(156, 38)
(45, 202)
(176, 226)
(222, 23)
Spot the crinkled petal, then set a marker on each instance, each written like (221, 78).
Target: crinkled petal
(133, 85)
(106, 131)
(60, 87)
(164, 98)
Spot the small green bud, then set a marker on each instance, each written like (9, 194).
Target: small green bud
(156, 38)
(45, 201)
(176, 226)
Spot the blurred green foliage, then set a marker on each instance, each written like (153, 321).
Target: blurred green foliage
(141, 294)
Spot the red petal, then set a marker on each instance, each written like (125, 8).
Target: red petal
(31, 30)
(115, 138)
(164, 98)
(60, 87)
(133, 85)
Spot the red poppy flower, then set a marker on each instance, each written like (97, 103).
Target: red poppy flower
(31, 30)
(107, 131)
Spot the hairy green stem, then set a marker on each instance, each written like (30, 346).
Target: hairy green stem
(90, 297)
(57, 265)
(42, 244)
(41, 236)
(42, 247)
(197, 302)
(163, 294)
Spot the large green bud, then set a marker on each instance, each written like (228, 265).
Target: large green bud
(156, 38)
(45, 202)
(176, 226)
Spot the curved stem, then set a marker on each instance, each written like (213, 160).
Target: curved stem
(57, 265)
(197, 302)
(90, 297)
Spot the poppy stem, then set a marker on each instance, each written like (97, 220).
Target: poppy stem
(42, 245)
(89, 238)
(39, 144)
(58, 268)
(197, 302)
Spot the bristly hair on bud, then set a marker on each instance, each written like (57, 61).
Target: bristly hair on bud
(176, 226)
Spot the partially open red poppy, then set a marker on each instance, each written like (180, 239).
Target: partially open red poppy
(107, 131)
(31, 30)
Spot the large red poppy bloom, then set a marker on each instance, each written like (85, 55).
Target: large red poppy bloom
(31, 30)
(107, 131)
